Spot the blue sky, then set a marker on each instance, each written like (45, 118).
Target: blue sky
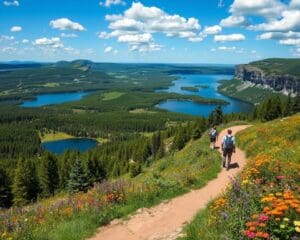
(177, 31)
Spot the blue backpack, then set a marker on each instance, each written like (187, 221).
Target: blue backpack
(228, 143)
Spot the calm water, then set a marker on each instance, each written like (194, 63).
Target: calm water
(75, 144)
(192, 108)
(54, 98)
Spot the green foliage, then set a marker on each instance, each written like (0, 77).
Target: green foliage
(25, 186)
(135, 169)
(5, 189)
(48, 175)
(78, 181)
(216, 117)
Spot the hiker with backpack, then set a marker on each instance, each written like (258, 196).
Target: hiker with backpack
(213, 137)
(228, 147)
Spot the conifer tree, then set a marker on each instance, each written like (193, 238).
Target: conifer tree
(287, 108)
(5, 190)
(48, 175)
(296, 104)
(25, 187)
(78, 181)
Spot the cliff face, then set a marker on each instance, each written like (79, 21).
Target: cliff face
(287, 84)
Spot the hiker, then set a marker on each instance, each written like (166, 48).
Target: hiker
(213, 137)
(228, 147)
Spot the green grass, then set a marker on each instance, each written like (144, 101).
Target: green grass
(237, 89)
(279, 66)
(112, 95)
(54, 136)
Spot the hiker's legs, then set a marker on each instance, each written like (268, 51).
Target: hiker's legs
(224, 159)
(229, 154)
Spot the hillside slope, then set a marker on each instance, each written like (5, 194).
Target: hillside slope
(264, 202)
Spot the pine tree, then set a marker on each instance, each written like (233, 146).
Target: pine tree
(25, 187)
(219, 115)
(5, 190)
(48, 175)
(78, 181)
(287, 108)
(296, 104)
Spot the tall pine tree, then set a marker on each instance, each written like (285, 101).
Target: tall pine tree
(78, 181)
(48, 175)
(5, 190)
(25, 187)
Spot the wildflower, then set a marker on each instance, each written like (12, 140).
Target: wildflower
(297, 223)
(263, 218)
(279, 177)
(297, 229)
(282, 226)
(286, 219)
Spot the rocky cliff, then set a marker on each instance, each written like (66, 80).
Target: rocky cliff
(287, 84)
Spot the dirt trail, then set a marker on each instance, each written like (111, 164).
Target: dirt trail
(166, 220)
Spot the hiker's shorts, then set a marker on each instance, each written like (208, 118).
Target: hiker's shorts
(227, 152)
(212, 140)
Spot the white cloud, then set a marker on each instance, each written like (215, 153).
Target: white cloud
(54, 42)
(290, 42)
(16, 29)
(264, 8)
(221, 4)
(8, 49)
(224, 48)
(11, 3)
(69, 35)
(66, 24)
(278, 35)
(109, 3)
(295, 4)
(290, 21)
(140, 20)
(234, 21)
(108, 49)
(229, 38)
(136, 39)
(212, 30)
(5, 38)
(25, 41)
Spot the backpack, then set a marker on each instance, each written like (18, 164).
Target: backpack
(228, 143)
(213, 133)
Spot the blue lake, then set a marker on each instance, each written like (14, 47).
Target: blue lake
(54, 98)
(73, 144)
(192, 108)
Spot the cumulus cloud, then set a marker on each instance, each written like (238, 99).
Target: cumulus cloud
(109, 3)
(25, 41)
(278, 35)
(69, 35)
(5, 38)
(264, 8)
(234, 21)
(11, 3)
(8, 49)
(212, 30)
(54, 42)
(140, 23)
(66, 24)
(230, 38)
(295, 4)
(16, 29)
(110, 49)
(290, 21)
(290, 42)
